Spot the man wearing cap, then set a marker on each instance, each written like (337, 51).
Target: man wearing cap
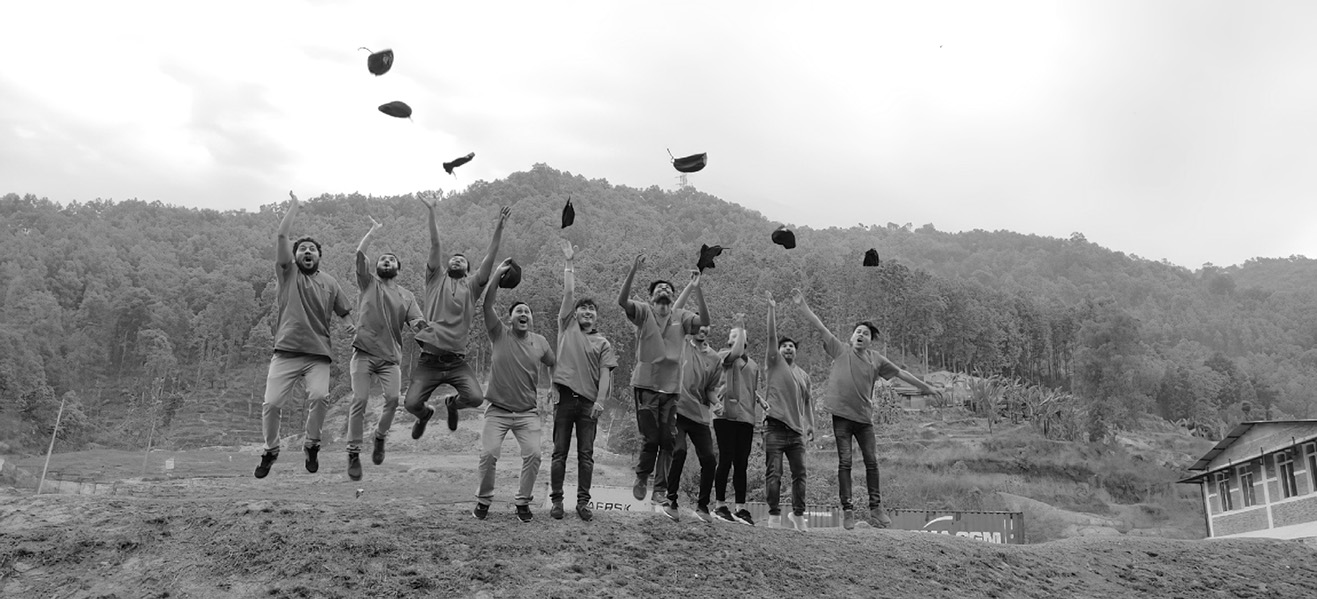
(384, 308)
(734, 425)
(513, 377)
(305, 300)
(449, 307)
(697, 397)
(582, 382)
(849, 398)
(789, 422)
(660, 337)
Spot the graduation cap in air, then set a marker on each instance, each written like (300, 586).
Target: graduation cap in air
(449, 166)
(707, 254)
(568, 214)
(512, 277)
(871, 258)
(397, 109)
(380, 62)
(784, 237)
(690, 164)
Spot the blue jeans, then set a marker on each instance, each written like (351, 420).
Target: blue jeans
(656, 417)
(780, 440)
(702, 438)
(431, 371)
(843, 430)
(572, 411)
(525, 426)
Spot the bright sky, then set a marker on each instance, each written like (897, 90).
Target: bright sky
(1180, 129)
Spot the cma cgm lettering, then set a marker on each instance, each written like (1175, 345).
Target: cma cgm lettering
(991, 537)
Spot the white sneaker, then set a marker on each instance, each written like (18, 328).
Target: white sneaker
(774, 521)
(798, 522)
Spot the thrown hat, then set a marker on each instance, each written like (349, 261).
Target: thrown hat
(380, 62)
(784, 237)
(871, 258)
(568, 214)
(449, 166)
(707, 254)
(512, 277)
(691, 164)
(397, 109)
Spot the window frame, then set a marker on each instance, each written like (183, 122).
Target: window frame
(1223, 491)
(1247, 484)
(1289, 486)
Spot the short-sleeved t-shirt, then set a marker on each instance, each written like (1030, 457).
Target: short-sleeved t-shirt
(515, 368)
(701, 372)
(788, 394)
(659, 346)
(850, 383)
(449, 308)
(303, 306)
(581, 357)
(382, 311)
(740, 380)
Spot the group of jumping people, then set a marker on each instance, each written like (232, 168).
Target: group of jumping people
(683, 388)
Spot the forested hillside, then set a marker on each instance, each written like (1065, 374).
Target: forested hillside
(130, 309)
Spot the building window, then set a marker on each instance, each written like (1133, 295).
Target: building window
(1223, 491)
(1285, 472)
(1311, 450)
(1246, 485)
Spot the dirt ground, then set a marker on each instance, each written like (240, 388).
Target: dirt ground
(212, 530)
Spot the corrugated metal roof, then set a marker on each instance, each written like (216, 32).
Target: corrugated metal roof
(1235, 433)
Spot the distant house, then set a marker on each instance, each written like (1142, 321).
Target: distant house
(1261, 481)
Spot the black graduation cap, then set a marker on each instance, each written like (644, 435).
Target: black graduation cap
(690, 164)
(512, 277)
(784, 237)
(871, 258)
(380, 62)
(397, 109)
(449, 166)
(568, 214)
(707, 254)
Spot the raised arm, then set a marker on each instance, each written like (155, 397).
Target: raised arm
(482, 275)
(436, 260)
(686, 291)
(773, 355)
(693, 288)
(568, 282)
(492, 323)
(624, 296)
(363, 266)
(283, 251)
(705, 319)
(798, 297)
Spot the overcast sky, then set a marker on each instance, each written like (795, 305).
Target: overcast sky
(1178, 130)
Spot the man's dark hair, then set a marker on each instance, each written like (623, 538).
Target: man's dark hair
(873, 328)
(304, 240)
(586, 301)
(786, 339)
(514, 306)
(661, 282)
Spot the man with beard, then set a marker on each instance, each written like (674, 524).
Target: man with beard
(849, 398)
(514, 374)
(583, 382)
(450, 305)
(790, 422)
(660, 336)
(734, 426)
(383, 309)
(304, 301)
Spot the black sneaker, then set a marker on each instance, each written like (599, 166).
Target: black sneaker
(451, 404)
(312, 458)
(481, 512)
(377, 456)
(639, 489)
(354, 466)
(267, 460)
(880, 517)
(523, 513)
(743, 516)
(418, 428)
(556, 512)
(702, 512)
(584, 512)
(724, 514)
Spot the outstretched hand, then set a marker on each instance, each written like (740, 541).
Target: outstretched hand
(292, 196)
(503, 215)
(374, 224)
(429, 200)
(503, 267)
(640, 261)
(771, 303)
(695, 278)
(568, 251)
(798, 297)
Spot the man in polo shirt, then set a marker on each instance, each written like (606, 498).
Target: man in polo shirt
(789, 423)
(384, 308)
(513, 376)
(701, 373)
(734, 427)
(305, 300)
(449, 307)
(583, 382)
(660, 336)
(849, 398)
